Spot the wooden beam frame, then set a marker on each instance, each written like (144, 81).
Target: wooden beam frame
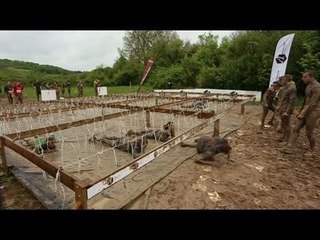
(62, 126)
(37, 160)
(216, 130)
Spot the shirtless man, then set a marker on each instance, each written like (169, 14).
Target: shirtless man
(131, 143)
(208, 147)
(268, 102)
(163, 135)
(286, 105)
(309, 113)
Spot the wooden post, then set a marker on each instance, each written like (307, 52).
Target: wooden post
(216, 129)
(148, 119)
(81, 196)
(242, 109)
(3, 156)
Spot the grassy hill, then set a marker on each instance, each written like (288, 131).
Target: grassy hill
(28, 72)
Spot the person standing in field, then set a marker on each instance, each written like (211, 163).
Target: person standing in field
(8, 91)
(18, 92)
(37, 86)
(80, 88)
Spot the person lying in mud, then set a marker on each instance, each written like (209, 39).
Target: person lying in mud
(208, 147)
(206, 92)
(131, 143)
(195, 105)
(163, 135)
(42, 144)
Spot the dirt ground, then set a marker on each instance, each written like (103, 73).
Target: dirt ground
(260, 176)
(14, 196)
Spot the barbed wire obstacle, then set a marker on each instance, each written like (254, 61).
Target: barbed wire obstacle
(76, 155)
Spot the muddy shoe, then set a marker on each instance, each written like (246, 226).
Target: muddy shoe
(308, 154)
(283, 144)
(287, 150)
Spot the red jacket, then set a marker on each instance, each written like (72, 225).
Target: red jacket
(18, 89)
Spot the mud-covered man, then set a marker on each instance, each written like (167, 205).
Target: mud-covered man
(163, 135)
(268, 102)
(286, 105)
(309, 113)
(131, 143)
(208, 147)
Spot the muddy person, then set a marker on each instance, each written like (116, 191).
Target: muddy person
(163, 135)
(309, 113)
(8, 91)
(268, 103)
(276, 117)
(209, 147)
(286, 105)
(131, 143)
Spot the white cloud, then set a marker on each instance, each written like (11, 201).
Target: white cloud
(72, 50)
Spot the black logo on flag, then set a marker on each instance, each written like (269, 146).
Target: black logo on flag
(281, 58)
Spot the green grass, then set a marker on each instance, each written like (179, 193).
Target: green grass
(89, 91)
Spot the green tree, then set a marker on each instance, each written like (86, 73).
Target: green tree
(137, 44)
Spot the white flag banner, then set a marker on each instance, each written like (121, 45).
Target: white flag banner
(281, 57)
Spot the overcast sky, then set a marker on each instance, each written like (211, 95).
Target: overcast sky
(72, 50)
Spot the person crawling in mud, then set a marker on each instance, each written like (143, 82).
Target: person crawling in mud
(131, 143)
(163, 135)
(198, 105)
(42, 144)
(208, 147)
(206, 92)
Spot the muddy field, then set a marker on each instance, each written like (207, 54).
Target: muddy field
(260, 176)
(13, 195)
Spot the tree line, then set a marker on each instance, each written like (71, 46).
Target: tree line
(240, 61)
